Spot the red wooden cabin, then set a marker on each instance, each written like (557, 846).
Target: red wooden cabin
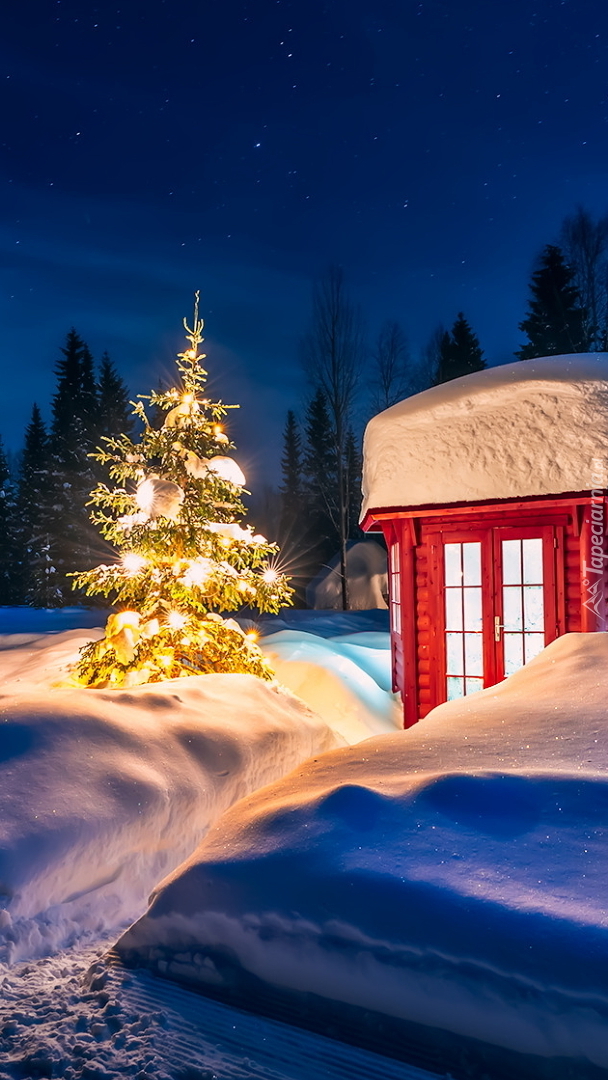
(490, 492)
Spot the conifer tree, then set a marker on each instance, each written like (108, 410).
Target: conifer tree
(114, 411)
(321, 479)
(39, 576)
(74, 405)
(72, 439)
(444, 358)
(555, 323)
(9, 578)
(182, 556)
(291, 488)
(459, 352)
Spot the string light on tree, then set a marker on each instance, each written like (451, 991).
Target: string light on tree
(132, 562)
(270, 575)
(183, 557)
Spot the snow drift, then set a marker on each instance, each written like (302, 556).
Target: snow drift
(453, 876)
(528, 428)
(102, 792)
(366, 572)
(345, 679)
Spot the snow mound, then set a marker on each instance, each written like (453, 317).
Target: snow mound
(102, 792)
(37, 659)
(452, 876)
(80, 1017)
(528, 428)
(366, 572)
(346, 680)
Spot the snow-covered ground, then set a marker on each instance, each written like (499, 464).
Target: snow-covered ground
(345, 679)
(76, 1017)
(103, 792)
(453, 876)
(93, 778)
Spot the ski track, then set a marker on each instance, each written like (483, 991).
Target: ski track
(80, 1015)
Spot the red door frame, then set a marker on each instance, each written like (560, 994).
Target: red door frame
(565, 512)
(401, 533)
(452, 535)
(489, 536)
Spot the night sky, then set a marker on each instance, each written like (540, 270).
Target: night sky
(150, 149)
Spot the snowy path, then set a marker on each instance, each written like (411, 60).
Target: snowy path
(58, 1021)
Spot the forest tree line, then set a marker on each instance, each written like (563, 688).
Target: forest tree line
(319, 497)
(45, 532)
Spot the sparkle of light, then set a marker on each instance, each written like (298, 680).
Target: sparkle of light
(176, 621)
(133, 563)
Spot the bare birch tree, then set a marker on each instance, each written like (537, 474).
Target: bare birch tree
(392, 378)
(333, 353)
(585, 245)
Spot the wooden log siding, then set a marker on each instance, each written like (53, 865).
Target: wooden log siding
(418, 647)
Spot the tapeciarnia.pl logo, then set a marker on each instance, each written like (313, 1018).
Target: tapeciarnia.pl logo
(593, 579)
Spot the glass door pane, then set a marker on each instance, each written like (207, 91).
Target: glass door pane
(523, 623)
(395, 588)
(463, 622)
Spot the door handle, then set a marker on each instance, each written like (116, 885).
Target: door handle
(498, 626)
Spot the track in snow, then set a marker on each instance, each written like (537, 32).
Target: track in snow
(215, 1040)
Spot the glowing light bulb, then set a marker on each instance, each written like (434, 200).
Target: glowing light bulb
(219, 435)
(252, 635)
(133, 563)
(187, 399)
(198, 572)
(270, 575)
(176, 621)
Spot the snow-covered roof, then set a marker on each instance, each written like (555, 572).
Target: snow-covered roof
(534, 427)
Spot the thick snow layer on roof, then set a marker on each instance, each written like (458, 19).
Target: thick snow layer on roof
(454, 875)
(103, 791)
(534, 427)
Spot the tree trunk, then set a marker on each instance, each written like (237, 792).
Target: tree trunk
(343, 520)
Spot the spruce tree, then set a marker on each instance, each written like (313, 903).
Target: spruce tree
(459, 352)
(72, 439)
(9, 568)
(74, 405)
(444, 358)
(114, 410)
(182, 556)
(39, 576)
(555, 323)
(321, 480)
(291, 488)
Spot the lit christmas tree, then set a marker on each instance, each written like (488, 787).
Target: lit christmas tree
(183, 556)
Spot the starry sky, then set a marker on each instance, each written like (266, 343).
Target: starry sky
(153, 148)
